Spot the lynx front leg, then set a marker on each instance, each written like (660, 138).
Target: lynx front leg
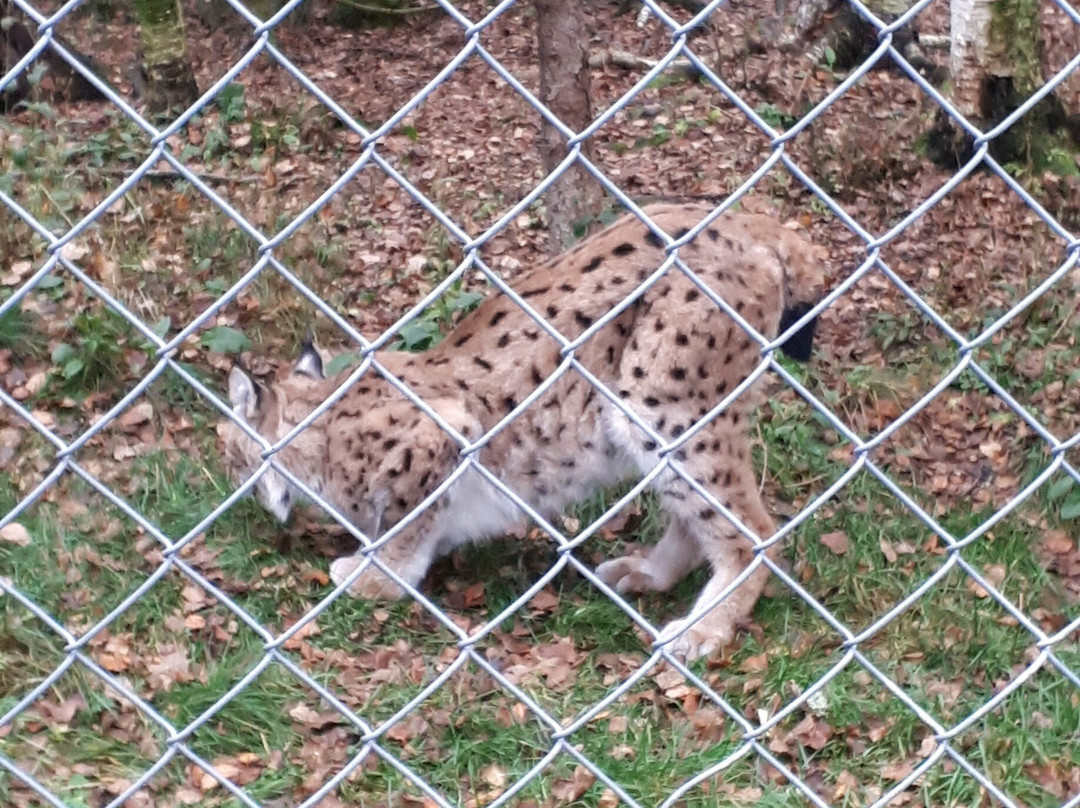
(665, 565)
(409, 554)
(729, 553)
(722, 466)
(716, 629)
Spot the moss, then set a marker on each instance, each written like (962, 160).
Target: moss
(1015, 23)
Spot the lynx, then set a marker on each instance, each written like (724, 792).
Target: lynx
(669, 357)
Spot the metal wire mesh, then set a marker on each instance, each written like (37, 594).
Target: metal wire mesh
(560, 732)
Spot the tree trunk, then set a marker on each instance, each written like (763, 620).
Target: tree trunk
(170, 81)
(59, 82)
(995, 62)
(975, 56)
(834, 25)
(564, 90)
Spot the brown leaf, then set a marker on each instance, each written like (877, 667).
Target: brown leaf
(572, 789)
(608, 799)
(185, 795)
(994, 575)
(407, 729)
(170, 668)
(888, 551)
(14, 533)
(194, 622)
(495, 776)
(474, 595)
(309, 629)
(318, 721)
(845, 784)
(1057, 542)
(544, 601)
(755, 664)
(61, 713)
(897, 771)
(668, 679)
(836, 541)
(116, 657)
(136, 414)
(315, 576)
(811, 732)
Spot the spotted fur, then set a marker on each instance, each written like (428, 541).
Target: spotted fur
(670, 356)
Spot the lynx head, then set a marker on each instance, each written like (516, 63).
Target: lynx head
(271, 411)
(804, 286)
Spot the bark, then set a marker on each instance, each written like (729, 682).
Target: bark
(974, 55)
(995, 62)
(60, 81)
(833, 25)
(575, 198)
(170, 81)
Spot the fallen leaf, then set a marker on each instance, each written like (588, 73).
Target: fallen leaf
(544, 601)
(994, 575)
(495, 776)
(167, 670)
(136, 414)
(608, 799)
(845, 783)
(474, 595)
(897, 771)
(811, 732)
(888, 551)
(14, 533)
(836, 541)
(572, 789)
(1057, 542)
(755, 663)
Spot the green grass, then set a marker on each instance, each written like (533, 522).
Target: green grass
(950, 652)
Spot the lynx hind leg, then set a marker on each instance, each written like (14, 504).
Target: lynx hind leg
(661, 568)
(727, 550)
(407, 458)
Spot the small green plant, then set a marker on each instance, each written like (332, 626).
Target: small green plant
(437, 320)
(93, 350)
(829, 59)
(231, 103)
(774, 116)
(223, 339)
(1067, 493)
(17, 332)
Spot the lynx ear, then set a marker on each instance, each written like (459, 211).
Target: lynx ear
(243, 394)
(310, 363)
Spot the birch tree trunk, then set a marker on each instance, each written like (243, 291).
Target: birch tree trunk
(995, 63)
(564, 89)
(974, 55)
(170, 81)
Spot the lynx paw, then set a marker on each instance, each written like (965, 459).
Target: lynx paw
(705, 638)
(632, 574)
(372, 583)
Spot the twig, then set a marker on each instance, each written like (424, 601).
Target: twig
(629, 61)
(378, 10)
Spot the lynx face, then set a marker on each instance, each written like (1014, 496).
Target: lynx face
(669, 357)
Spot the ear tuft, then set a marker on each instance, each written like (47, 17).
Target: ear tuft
(310, 363)
(243, 394)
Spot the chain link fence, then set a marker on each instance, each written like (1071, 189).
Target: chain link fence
(560, 730)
